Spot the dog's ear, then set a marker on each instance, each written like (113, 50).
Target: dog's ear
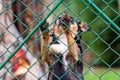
(74, 29)
(83, 26)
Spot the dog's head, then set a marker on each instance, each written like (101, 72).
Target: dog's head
(63, 23)
(67, 21)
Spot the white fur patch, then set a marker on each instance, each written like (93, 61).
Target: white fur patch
(61, 47)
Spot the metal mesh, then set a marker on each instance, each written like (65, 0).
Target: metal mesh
(20, 38)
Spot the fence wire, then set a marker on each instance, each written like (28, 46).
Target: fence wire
(27, 51)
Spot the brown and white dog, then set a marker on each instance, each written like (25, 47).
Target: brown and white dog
(67, 49)
(65, 63)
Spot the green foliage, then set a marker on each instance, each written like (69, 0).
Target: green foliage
(102, 74)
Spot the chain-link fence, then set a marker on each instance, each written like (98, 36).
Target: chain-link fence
(41, 40)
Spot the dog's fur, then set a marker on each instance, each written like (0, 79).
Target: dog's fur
(45, 43)
(66, 46)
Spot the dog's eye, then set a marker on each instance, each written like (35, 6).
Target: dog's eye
(59, 17)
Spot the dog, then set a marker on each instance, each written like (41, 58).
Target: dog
(67, 49)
